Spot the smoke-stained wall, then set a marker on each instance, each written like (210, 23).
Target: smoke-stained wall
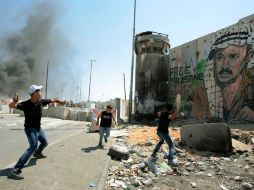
(149, 85)
(214, 75)
(151, 73)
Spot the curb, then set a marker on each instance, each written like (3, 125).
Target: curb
(104, 175)
(103, 178)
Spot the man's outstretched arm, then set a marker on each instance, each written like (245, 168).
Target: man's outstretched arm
(98, 118)
(56, 100)
(14, 102)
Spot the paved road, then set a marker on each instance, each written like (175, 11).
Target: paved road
(74, 161)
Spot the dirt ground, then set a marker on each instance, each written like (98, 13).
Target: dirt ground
(195, 170)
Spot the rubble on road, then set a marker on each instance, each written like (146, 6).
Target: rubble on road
(119, 151)
(196, 169)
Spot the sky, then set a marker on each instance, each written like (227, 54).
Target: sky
(68, 34)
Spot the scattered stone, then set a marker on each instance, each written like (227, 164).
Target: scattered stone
(152, 167)
(223, 187)
(252, 140)
(238, 178)
(190, 168)
(137, 183)
(138, 166)
(240, 147)
(246, 167)
(185, 173)
(246, 185)
(140, 171)
(164, 168)
(202, 168)
(119, 151)
(179, 150)
(147, 182)
(244, 136)
(93, 184)
(236, 134)
(226, 159)
(194, 184)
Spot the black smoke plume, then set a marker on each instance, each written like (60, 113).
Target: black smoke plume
(25, 53)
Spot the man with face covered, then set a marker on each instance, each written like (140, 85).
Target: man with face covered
(228, 77)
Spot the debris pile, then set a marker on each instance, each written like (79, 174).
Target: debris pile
(196, 169)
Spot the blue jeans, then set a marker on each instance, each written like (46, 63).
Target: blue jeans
(102, 131)
(167, 138)
(33, 136)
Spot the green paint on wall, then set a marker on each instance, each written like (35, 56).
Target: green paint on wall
(199, 69)
(200, 66)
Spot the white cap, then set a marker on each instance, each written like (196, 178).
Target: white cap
(33, 88)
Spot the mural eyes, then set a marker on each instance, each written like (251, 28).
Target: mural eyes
(219, 57)
(233, 57)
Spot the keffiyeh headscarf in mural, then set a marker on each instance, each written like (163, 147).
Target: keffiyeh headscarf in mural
(235, 35)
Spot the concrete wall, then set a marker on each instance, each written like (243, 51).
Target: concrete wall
(4, 106)
(209, 136)
(212, 76)
(122, 109)
(58, 112)
(63, 113)
(66, 113)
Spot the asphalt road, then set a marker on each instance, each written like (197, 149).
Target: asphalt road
(13, 141)
(74, 161)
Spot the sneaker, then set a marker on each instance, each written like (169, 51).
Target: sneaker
(106, 140)
(16, 174)
(39, 156)
(100, 145)
(173, 162)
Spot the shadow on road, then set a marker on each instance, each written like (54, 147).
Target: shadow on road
(31, 162)
(90, 149)
(14, 129)
(6, 171)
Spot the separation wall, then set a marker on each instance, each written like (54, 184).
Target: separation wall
(212, 77)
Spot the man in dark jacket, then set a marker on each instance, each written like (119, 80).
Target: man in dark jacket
(33, 112)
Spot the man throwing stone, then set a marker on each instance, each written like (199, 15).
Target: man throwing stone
(33, 112)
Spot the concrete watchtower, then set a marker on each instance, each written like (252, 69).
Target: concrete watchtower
(151, 82)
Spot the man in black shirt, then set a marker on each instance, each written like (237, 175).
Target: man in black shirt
(105, 124)
(162, 131)
(33, 112)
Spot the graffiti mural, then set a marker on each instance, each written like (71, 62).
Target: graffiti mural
(186, 70)
(228, 90)
(214, 74)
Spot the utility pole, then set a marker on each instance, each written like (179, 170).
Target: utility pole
(80, 94)
(90, 80)
(46, 88)
(42, 82)
(77, 95)
(132, 64)
(124, 86)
